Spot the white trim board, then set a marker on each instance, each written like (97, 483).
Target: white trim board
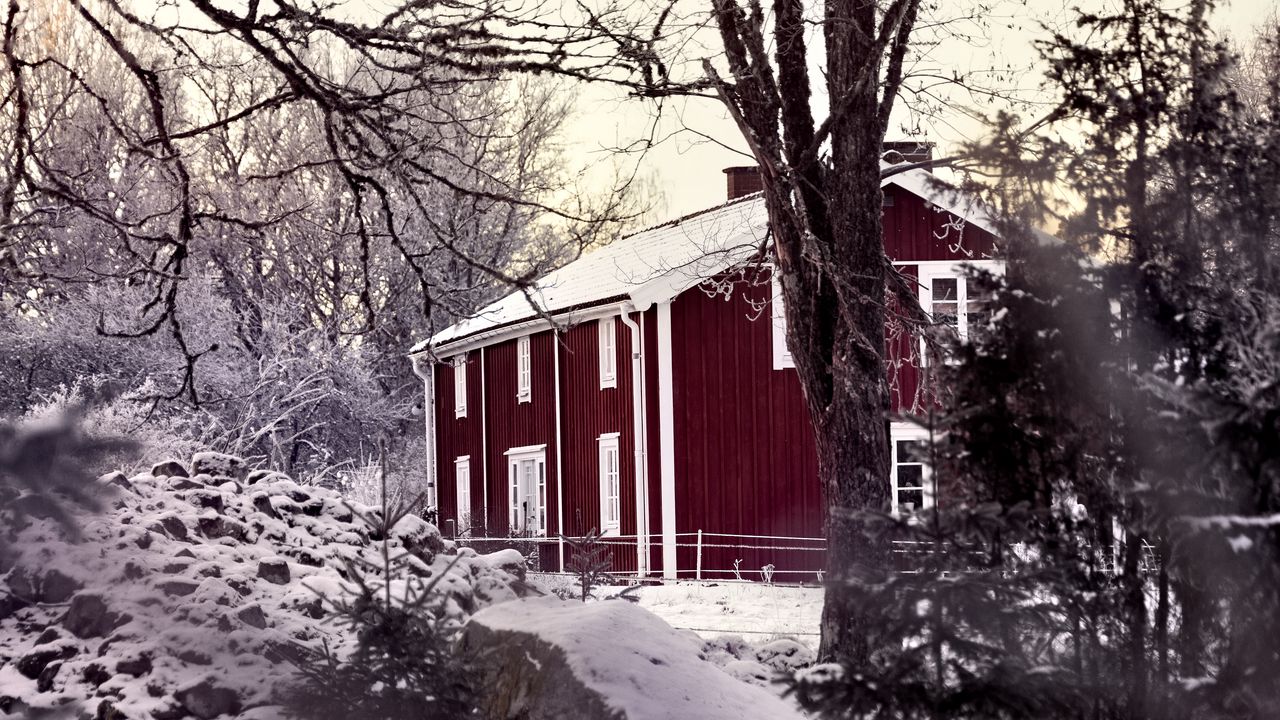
(666, 441)
(526, 450)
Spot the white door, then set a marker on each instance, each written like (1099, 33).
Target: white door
(527, 483)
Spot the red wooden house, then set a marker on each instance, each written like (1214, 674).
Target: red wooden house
(662, 408)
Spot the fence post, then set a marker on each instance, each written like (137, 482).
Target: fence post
(699, 571)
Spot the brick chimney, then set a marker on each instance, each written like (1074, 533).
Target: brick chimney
(743, 180)
(906, 151)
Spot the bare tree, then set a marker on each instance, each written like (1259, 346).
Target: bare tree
(822, 190)
(398, 136)
(242, 220)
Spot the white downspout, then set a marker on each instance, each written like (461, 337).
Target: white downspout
(555, 349)
(644, 439)
(638, 427)
(484, 448)
(429, 410)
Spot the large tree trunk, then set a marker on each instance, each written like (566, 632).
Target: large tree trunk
(824, 222)
(853, 447)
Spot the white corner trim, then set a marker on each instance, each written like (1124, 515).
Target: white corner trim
(666, 441)
(556, 342)
(484, 439)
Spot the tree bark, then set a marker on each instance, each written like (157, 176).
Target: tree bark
(827, 241)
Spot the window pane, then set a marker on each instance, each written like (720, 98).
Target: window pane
(945, 289)
(946, 313)
(910, 451)
(910, 500)
(911, 476)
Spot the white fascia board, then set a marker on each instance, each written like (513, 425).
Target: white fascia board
(528, 327)
(994, 265)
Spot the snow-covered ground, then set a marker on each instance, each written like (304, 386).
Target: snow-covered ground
(756, 611)
(633, 662)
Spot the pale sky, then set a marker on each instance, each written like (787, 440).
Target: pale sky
(686, 167)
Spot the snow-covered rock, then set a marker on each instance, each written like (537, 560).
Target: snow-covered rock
(184, 596)
(545, 658)
(217, 465)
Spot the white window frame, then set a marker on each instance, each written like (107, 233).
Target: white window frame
(460, 386)
(524, 370)
(608, 341)
(462, 493)
(928, 271)
(610, 484)
(531, 518)
(909, 433)
(781, 354)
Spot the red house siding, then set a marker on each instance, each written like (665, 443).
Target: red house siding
(744, 454)
(746, 462)
(914, 229)
(456, 437)
(514, 424)
(590, 411)
(901, 348)
(654, 449)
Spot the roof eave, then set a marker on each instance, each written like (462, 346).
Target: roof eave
(515, 328)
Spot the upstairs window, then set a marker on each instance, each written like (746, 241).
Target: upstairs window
(608, 352)
(460, 386)
(945, 294)
(610, 484)
(911, 487)
(524, 371)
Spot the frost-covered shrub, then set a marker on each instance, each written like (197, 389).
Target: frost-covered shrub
(106, 413)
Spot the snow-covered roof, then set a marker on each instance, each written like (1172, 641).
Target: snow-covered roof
(656, 264)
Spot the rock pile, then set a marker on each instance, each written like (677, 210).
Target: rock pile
(184, 597)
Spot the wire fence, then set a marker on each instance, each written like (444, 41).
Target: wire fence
(700, 555)
(727, 557)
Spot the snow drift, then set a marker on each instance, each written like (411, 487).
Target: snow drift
(547, 658)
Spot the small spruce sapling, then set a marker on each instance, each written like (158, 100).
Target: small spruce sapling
(403, 664)
(590, 561)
